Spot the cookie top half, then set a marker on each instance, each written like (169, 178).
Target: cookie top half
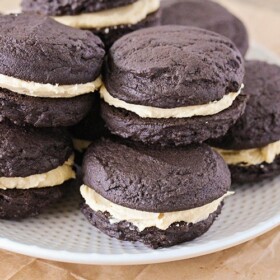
(208, 15)
(260, 124)
(71, 7)
(37, 48)
(155, 179)
(25, 151)
(173, 66)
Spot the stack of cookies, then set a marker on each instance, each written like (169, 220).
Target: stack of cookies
(251, 146)
(165, 91)
(148, 175)
(109, 20)
(48, 75)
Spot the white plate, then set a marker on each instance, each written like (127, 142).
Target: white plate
(63, 234)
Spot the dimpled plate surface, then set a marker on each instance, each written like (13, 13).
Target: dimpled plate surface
(63, 234)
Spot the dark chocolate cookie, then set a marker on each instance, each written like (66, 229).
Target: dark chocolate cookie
(255, 173)
(260, 124)
(111, 34)
(43, 112)
(71, 7)
(207, 15)
(173, 66)
(28, 151)
(171, 131)
(155, 179)
(176, 233)
(18, 204)
(39, 49)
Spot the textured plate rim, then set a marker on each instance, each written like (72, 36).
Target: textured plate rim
(144, 258)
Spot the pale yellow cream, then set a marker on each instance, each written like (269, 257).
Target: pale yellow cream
(80, 145)
(48, 90)
(52, 178)
(251, 156)
(143, 219)
(126, 15)
(211, 108)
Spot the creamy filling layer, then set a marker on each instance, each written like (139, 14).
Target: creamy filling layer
(54, 177)
(126, 15)
(80, 145)
(142, 219)
(211, 108)
(251, 156)
(47, 90)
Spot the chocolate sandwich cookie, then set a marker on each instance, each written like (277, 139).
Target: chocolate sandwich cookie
(252, 146)
(108, 19)
(172, 85)
(208, 15)
(159, 196)
(35, 168)
(48, 71)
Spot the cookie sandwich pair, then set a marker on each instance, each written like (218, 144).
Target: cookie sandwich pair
(165, 91)
(108, 19)
(48, 76)
(252, 146)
